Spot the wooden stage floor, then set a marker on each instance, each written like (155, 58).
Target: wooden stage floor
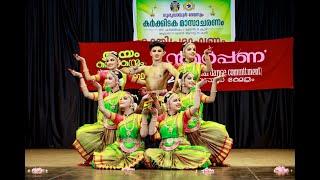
(244, 164)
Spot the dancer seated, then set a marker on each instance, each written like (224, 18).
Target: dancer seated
(112, 62)
(175, 151)
(94, 137)
(205, 133)
(128, 150)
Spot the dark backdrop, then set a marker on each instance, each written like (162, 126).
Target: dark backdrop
(56, 107)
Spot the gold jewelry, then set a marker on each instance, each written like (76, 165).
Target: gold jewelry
(129, 130)
(169, 127)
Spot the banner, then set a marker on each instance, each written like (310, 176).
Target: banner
(184, 20)
(248, 65)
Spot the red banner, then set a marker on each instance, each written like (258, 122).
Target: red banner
(248, 65)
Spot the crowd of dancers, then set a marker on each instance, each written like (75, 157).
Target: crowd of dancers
(165, 129)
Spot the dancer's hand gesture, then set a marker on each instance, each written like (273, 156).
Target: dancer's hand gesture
(75, 73)
(78, 58)
(96, 84)
(201, 83)
(217, 79)
(207, 51)
(154, 111)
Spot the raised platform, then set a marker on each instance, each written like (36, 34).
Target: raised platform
(244, 164)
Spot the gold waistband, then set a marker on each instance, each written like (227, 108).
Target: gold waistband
(131, 140)
(177, 142)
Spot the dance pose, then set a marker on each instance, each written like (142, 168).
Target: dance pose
(157, 74)
(128, 149)
(189, 64)
(199, 132)
(175, 151)
(94, 137)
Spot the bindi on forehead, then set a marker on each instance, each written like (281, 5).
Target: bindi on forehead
(157, 48)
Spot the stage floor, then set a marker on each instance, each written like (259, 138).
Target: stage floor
(244, 164)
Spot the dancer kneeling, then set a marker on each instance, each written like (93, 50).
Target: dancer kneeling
(128, 150)
(211, 134)
(175, 151)
(94, 137)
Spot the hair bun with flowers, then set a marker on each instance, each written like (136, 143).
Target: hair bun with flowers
(167, 96)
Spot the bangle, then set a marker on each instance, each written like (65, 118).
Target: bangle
(135, 81)
(214, 91)
(81, 77)
(83, 86)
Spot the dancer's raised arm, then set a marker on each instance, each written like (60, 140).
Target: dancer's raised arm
(86, 72)
(213, 91)
(144, 125)
(196, 105)
(101, 107)
(208, 66)
(83, 86)
(153, 126)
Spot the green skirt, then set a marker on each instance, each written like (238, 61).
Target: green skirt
(112, 157)
(93, 137)
(184, 156)
(215, 137)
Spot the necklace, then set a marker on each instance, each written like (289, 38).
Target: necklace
(184, 92)
(128, 114)
(169, 127)
(170, 131)
(128, 131)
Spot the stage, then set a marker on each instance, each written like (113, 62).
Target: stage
(243, 164)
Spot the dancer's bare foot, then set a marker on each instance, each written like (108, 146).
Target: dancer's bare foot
(85, 163)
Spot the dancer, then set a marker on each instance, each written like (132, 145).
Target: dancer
(94, 137)
(189, 65)
(205, 133)
(157, 74)
(128, 150)
(175, 151)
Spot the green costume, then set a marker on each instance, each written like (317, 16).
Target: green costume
(127, 151)
(94, 137)
(175, 151)
(206, 133)
(193, 67)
